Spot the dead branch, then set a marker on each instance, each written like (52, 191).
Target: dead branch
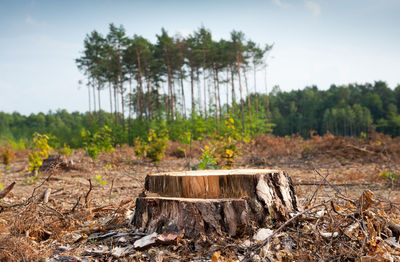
(76, 204)
(7, 190)
(394, 227)
(87, 194)
(62, 217)
(112, 185)
(361, 149)
(41, 184)
(334, 187)
(325, 184)
(316, 191)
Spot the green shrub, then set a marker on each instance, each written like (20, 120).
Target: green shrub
(1, 186)
(100, 180)
(41, 151)
(7, 154)
(153, 147)
(388, 175)
(66, 150)
(97, 142)
(228, 144)
(208, 159)
(19, 145)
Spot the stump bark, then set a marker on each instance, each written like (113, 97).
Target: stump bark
(232, 202)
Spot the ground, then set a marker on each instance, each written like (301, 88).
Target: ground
(74, 221)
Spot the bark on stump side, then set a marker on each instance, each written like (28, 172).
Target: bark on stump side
(231, 202)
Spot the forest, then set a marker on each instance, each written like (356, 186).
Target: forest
(148, 83)
(341, 110)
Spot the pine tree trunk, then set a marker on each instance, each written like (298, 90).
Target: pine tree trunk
(180, 54)
(98, 95)
(215, 98)
(90, 109)
(140, 88)
(183, 96)
(241, 92)
(94, 102)
(233, 88)
(109, 88)
(267, 96)
(227, 91)
(248, 96)
(192, 89)
(219, 97)
(199, 90)
(149, 102)
(205, 86)
(121, 86)
(130, 112)
(171, 93)
(115, 103)
(255, 89)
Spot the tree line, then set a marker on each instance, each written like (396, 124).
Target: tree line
(147, 81)
(192, 85)
(348, 110)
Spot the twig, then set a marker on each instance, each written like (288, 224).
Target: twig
(41, 184)
(341, 184)
(346, 198)
(334, 187)
(112, 185)
(316, 191)
(87, 194)
(76, 204)
(7, 190)
(249, 256)
(327, 182)
(55, 210)
(22, 255)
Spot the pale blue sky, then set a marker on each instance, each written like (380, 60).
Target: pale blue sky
(317, 42)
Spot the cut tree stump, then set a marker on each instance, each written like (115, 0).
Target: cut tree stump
(233, 202)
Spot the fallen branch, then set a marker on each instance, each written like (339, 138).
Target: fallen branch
(39, 186)
(394, 227)
(87, 194)
(316, 190)
(361, 149)
(7, 190)
(334, 187)
(76, 204)
(325, 184)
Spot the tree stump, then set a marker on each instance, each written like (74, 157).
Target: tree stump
(232, 202)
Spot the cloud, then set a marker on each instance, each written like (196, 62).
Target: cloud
(29, 20)
(313, 7)
(280, 3)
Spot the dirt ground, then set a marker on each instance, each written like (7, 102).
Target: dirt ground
(88, 199)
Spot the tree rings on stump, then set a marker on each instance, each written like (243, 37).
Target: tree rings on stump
(232, 202)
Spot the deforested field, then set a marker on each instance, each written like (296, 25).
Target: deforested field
(79, 209)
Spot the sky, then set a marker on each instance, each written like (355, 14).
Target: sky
(316, 42)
